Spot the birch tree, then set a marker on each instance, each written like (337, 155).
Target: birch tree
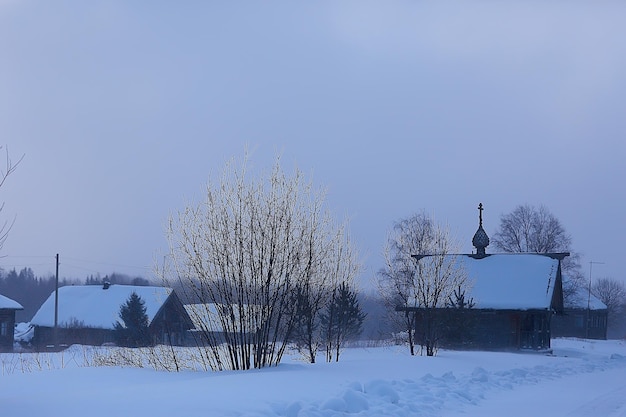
(421, 272)
(244, 252)
(439, 274)
(396, 281)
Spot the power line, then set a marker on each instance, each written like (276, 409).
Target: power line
(52, 261)
(89, 266)
(106, 263)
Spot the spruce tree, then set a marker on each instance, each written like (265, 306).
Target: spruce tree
(134, 332)
(305, 325)
(342, 320)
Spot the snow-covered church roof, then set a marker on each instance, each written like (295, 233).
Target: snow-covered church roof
(518, 281)
(97, 307)
(511, 281)
(8, 304)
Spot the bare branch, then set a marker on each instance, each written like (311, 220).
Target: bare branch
(9, 168)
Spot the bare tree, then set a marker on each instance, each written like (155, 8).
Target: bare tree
(438, 276)
(425, 282)
(245, 252)
(396, 281)
(536, 230)
(611, 292)
(530, 229)
(9, 168)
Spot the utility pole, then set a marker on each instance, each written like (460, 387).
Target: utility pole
(589, 298)
(56, 304)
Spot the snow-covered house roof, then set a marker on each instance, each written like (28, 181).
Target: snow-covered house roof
(206, 317)
(517, 281)
(590, 301)
(97, 307)
(7, 304)
(583, 299)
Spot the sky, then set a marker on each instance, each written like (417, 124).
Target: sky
(582, 378)
(124, 110)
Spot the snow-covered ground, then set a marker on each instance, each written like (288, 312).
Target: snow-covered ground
(581, 378)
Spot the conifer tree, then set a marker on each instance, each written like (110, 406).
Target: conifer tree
(342, 320)
(134, 332)
(305, 332)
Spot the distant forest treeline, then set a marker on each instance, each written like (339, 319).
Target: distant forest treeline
(31, 291)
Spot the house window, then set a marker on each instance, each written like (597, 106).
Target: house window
(4, 328)
(579, 321)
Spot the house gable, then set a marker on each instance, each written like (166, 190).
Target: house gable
(7, 322)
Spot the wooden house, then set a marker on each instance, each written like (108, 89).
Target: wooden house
(209, 329)
(513, 299)
(584, 316)
(86, 314)
(8, 307)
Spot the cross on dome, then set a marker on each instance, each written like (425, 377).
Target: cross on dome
(480, 240)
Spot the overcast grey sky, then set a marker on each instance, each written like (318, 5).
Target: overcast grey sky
(124, 110)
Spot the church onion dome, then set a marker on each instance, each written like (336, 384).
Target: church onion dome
(480, 239)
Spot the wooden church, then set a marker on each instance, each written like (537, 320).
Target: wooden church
(510, 301)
